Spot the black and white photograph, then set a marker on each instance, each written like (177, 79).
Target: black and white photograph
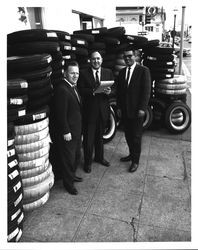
(98, 125)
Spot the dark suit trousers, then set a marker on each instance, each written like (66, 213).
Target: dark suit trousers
(133, 129)
(93, 136)
(69, 157)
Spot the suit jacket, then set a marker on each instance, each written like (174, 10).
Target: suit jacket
(93, 106)
(136, 95)
(67, 110)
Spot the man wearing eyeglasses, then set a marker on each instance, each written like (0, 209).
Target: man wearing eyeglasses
(133, 93)
(68, 120)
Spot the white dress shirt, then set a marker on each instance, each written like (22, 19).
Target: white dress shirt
(94, 73)
(131, 72)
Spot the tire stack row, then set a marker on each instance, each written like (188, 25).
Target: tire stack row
(15, 191)
(29, 59)
(168, 99)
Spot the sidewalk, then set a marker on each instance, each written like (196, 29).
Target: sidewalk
(151, 205)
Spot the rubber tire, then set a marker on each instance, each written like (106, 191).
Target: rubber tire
(28, 63)
(31, 35)
(111, 127)
(148, 119)
(180, 106)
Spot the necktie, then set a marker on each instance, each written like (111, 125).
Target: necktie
(76, 92)
(128, 75)
(97, 79)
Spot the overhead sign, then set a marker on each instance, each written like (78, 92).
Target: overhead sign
(151, 11)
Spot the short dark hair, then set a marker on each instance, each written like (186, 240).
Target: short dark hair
(129, 48)
(96, 51)
(70, 63)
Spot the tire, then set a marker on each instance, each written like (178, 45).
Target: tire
(33, 48)
(38, 203)
(148, 119)
(79, 51)
(31, 138)
(159, 76)
(39, 189)
(158, 108)
(177, 107)
(30, 156)
(34, 116)
(33, 164)
(38, 84)
(159, 50)
(102, 30)
(88, 37)
(114, 107)
(175, 80)
(32, 75)
(27, 63)
(31, 35)
(15, 114)
(79, 42)
(31, 128)
(156, 57)
(171, 91)
(116, 32)
(31, 181)
(16, 87)
(34, 171)
(110, 129)
(171, 86)
(17, 101)
(153, 64)
(62, 35)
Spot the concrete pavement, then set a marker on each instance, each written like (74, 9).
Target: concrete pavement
(151, 205)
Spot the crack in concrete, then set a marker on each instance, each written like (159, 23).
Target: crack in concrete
(185, 166)
(134, 229)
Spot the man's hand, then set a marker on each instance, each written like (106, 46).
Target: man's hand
(67, 137)
(107, 90)
(141, 113)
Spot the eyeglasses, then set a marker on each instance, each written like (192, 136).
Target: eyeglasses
(128, 56)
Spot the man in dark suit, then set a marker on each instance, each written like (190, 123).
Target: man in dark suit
(67, 112)
(96, 109)
(133, 93)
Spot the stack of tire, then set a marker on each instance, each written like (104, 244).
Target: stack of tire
(80, 46)
(28, 60)
(176, 115)
(15, 191)
(168, 99)
(62, 57)
(160, 61)
(32, 142)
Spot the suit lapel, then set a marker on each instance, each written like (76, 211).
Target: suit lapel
(73, 92)
(92, 79)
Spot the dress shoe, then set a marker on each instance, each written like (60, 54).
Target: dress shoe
(103, 162)
(71, 189)
(87, 168)
(126, 158)
(78, 179)
(133, 167)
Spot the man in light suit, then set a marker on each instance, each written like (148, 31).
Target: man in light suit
(133, 93)
(96, 109)
(68, 120)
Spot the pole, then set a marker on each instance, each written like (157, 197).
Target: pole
(182, 41)
(174, 31)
